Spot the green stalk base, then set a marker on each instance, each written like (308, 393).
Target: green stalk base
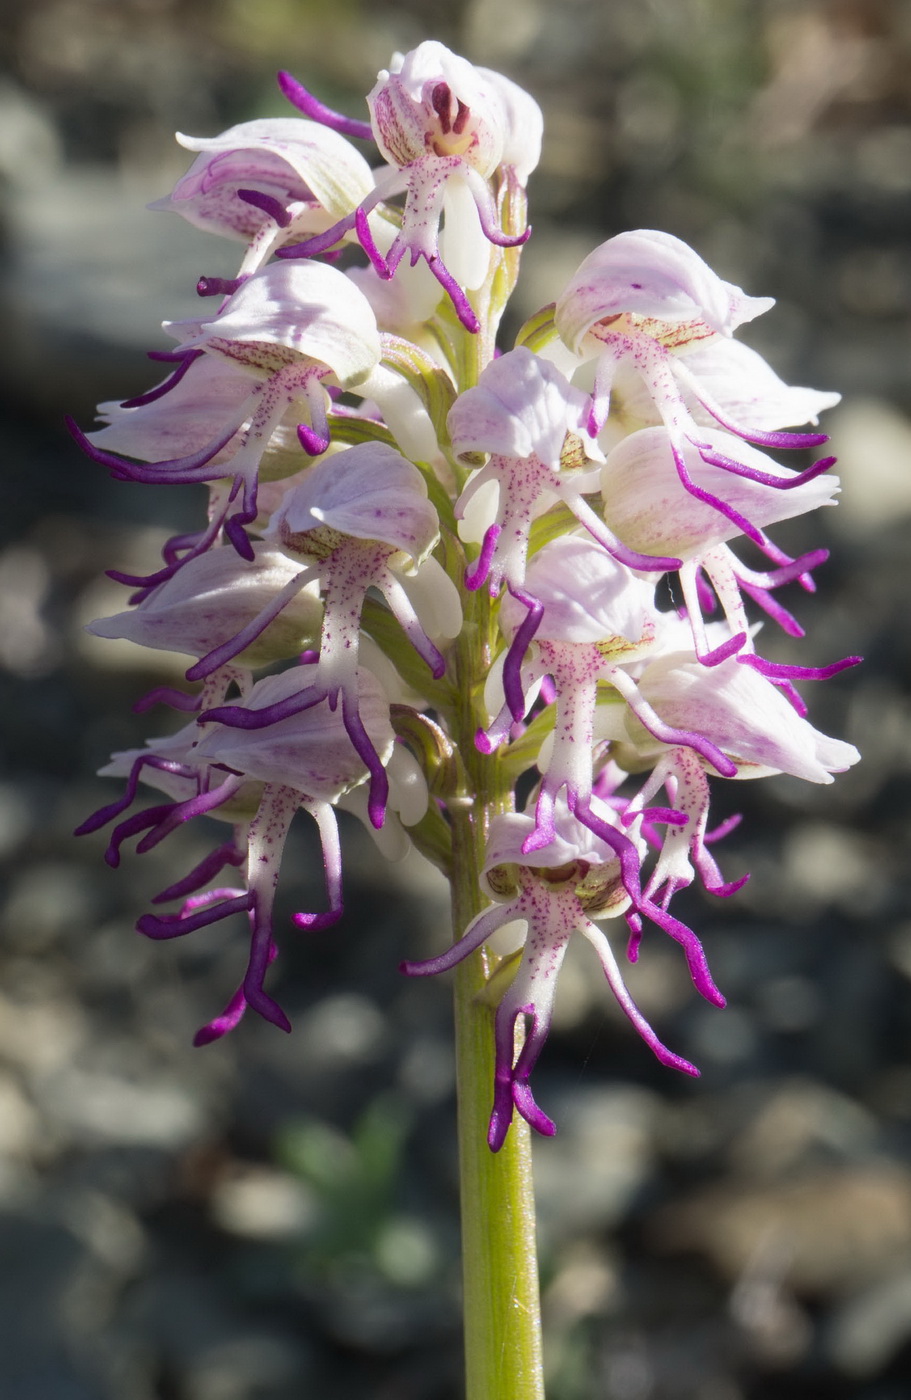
(503, 1359)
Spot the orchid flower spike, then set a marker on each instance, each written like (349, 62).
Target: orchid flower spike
(451, 559)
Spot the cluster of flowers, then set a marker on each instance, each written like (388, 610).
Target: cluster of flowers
(427, 528)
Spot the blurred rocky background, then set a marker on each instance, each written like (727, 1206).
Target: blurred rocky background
(276, 1217)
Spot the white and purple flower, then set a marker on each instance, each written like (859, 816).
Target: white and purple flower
(431, 570)
(559, 889)
(446, 129)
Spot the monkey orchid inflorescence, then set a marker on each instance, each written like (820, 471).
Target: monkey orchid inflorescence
(430, 572)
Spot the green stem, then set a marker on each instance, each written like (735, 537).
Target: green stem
(503, 1359)
(503, 1356)
(499, 1262)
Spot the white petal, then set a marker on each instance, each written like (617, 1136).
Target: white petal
(407, 786)
(647, 506)
(369, 491)
(296, 309)
(745, 715)
(323, 162)
(435, 599)
(522, 406)
(749, 390)
(310, 751)
(524, 125)
(587, 595)
(463, 244)
(211, 598)
(404, 413)
(652, 274)
(183, 420)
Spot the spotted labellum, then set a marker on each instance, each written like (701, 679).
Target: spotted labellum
(432, 587)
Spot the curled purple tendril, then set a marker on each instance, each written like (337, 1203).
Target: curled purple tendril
(221, 1025)
(730, 464)
(139, 821)
(234, 1011)
(234, 526)
(779, 439)
(477, 574)
(163, 926)
(378, 794)
(113, 809)
(201, 874)
(722, 652)
(178, 470)
(463, 307)
(319, 242)
(186, 358)
(629, 874)
(311, 107)
(366, 240)
(240, 717)
(780, 670)
(726, 888)
(512, 667)
(723, 829)
(751, 531)
(159, 821)
(167, 695)
(218, 286)
(692, 948)
(268, 204)
(495, 235)
(313, 443)
(797, 570)
(773, 609)
(315, 923)
(198, 544)
(511, 1087)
